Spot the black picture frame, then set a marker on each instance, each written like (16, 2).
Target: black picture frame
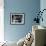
(17, 18)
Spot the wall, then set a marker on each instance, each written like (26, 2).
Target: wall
(43, 6)
(29, 7)
(1, 20)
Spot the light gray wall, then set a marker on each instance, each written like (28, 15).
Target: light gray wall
(29, 7)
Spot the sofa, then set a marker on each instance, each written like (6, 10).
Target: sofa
(39, 33)
(39, 37)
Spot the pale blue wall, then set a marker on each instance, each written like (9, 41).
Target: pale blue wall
(29, 7)
(43, 6)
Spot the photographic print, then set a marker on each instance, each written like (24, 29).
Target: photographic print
(17, 18)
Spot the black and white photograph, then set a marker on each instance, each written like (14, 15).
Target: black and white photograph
(17, 18)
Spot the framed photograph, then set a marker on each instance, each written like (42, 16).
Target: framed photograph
(17, 18)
